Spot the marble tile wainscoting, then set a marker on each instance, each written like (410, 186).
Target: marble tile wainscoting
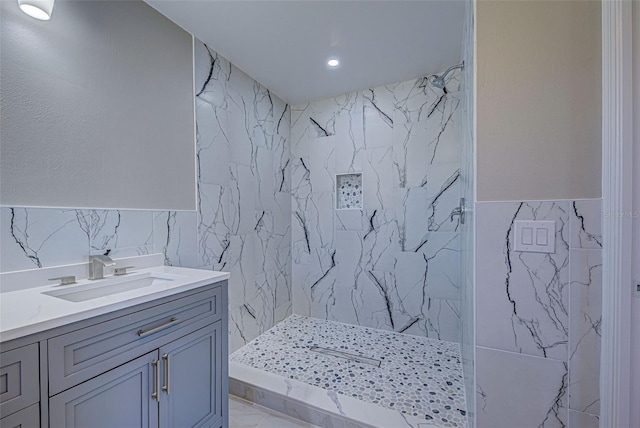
(538, 317)
(395, 264)
(243, 221)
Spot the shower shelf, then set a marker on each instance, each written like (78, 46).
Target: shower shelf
(349, 193)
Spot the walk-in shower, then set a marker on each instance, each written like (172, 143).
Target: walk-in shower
(376, 281)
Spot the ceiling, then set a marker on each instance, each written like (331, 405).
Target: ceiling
(285, 45)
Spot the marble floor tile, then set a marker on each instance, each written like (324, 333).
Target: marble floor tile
(279, 421)
(243, 414)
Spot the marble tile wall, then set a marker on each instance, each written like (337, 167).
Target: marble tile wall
(393, 265)
(538, 317)
(243, 221)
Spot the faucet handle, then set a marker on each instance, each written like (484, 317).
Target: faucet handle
(119, 271)
(65, 280)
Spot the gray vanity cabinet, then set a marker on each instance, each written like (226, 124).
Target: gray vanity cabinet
(119, 398)
(159, 364)
(190, 395)
(174, 386)
(25, 418)
(20, 387)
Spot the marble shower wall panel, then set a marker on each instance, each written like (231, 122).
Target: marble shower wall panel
(377, 175)
(394, 264)
(213, 226)
(245, 166)
(444, 192)
(212, 117)
(243, 221)
(540, 308)
(378, 118)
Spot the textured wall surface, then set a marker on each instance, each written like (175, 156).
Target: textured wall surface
(538, 317)
(243, 221)
(394, 264)
(96, 108)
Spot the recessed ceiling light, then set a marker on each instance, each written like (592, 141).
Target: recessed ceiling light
(39, 9)
(333, 62)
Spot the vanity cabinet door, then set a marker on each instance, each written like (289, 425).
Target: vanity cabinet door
(119, 398)
(191, 381)
(25, 418)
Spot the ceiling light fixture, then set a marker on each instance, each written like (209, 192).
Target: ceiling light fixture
(39, 9)
(333, 63)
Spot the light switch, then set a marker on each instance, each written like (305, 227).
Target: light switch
(542, 237)
(535, 236)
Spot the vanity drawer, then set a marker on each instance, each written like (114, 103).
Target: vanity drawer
(82, 354)
(19, 379)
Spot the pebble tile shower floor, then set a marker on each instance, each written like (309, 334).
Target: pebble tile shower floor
(418, 376)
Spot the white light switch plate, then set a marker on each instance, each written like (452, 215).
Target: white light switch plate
(535, 236)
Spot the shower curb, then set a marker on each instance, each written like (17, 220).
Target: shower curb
(312, 404)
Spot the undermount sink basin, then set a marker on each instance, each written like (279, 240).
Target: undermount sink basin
(110, 286)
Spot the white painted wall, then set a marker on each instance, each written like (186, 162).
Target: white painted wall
(539, 100)
(635, 309)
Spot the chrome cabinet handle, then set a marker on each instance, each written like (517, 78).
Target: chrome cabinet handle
(156, 380)
(172, 321)
(167, 374)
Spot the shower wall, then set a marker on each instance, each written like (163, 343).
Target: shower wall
(243, 221)
(395, 263)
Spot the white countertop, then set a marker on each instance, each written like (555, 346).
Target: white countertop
(28, 311)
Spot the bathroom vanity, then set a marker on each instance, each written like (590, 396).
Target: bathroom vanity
(151, 356)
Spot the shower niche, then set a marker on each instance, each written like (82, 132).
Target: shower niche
(349, 191)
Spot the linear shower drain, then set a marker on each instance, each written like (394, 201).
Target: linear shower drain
(346, 355)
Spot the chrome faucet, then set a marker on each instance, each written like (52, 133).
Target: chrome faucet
(96, 265)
